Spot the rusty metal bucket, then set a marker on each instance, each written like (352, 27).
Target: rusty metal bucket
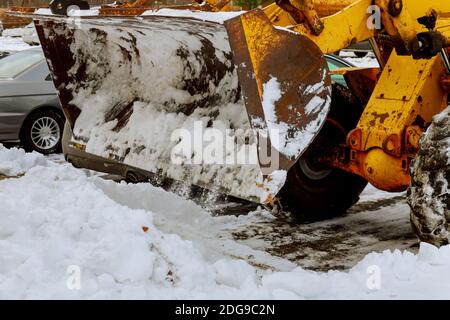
(227, 106)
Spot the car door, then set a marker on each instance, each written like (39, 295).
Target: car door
(20, 96)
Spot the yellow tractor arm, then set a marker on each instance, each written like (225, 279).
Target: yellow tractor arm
(356, 21)
(408, 92)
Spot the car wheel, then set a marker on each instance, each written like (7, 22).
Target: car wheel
(42, 132)
(313, 191)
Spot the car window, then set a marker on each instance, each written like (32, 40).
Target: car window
(334, 64)
(15, 64)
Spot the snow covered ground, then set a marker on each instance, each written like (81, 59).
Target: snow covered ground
(67, 234)
(27, 34)
(10, 44)
(17, 39)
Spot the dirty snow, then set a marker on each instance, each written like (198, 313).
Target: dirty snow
(429, 188)
(55, 222)
(272, 184)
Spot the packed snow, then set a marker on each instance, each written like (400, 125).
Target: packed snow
(15, 162)
(66, 235)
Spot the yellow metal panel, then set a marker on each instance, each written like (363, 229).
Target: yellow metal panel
(350, 24)
(342, 29)
(386, 172)
(401, 77)
(408, 91)
(417, 8)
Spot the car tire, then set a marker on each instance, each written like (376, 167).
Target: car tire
(313, 191)
(42, 132)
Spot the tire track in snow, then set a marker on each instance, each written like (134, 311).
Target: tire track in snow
(378, 222)
(173, 214)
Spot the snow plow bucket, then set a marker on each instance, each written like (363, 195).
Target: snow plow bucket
(283, 77)
(162, 92)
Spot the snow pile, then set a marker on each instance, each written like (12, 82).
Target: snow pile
(15, 161)
(429, 191)
(62, 235)
(10, 44)
(27, 34)
(54, 220)
(19, 32)
(18, 39)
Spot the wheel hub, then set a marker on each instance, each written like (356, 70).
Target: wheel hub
(45, 133)
(312, 171)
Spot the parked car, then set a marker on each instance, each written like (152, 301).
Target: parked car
(336, 62)
(76, 155)
(29, 106)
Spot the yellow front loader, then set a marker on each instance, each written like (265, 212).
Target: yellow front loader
(243, 103)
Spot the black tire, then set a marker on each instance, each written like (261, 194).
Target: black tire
(428, 194)
(26, 133)
(314, 191)
(360, 54)
(60, 6)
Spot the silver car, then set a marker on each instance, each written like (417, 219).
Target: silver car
(29, 107)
